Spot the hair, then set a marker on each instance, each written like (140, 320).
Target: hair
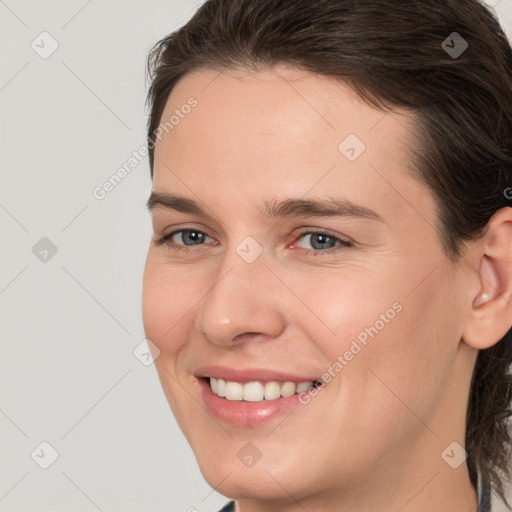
(392, 55)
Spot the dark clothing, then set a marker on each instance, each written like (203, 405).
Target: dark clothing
(230, 507)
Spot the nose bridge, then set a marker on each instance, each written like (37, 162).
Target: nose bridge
(242, 299)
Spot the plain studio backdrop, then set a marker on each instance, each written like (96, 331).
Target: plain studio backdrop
(84, 424)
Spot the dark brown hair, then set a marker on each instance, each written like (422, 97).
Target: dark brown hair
(391, 54)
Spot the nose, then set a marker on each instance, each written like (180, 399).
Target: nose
(243, 303)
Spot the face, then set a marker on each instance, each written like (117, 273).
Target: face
(301, 250)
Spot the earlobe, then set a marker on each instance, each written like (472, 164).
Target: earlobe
(491, 315)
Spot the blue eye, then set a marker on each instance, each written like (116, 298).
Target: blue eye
(188, 237)
(321, 242)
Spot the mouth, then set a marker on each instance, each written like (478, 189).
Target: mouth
(251, 397)
(257, 391)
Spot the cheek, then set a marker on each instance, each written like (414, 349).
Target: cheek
(346, 306)
(167, 300)
(404, 368)
(389, 345)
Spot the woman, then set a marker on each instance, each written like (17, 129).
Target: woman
(329, 283)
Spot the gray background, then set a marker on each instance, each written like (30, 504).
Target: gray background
(70, 321)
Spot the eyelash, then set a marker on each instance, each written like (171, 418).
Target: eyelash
(343, 244)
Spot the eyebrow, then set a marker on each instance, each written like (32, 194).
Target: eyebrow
(328, 207)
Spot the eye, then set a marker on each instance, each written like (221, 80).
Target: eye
(323, 243)
(320, 241)
(180, 239)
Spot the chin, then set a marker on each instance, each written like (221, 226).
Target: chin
(275, 479)
(247, 484)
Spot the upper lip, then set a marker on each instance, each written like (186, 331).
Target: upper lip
(243, 375)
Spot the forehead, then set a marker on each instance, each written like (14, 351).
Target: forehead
(284, 130)
(282, 108)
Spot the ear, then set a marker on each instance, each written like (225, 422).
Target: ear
(491, 314)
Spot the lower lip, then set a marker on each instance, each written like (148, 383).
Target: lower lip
(246, 414)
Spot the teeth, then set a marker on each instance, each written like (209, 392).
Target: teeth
(302, 386)
(257, 391)
(288, 389)
(234, 391)
(253, 391)
(221, 387)
(272, 390)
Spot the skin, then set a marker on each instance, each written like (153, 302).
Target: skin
(372, 439)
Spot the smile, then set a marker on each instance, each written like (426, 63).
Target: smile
(257, 391)
(251, 397)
